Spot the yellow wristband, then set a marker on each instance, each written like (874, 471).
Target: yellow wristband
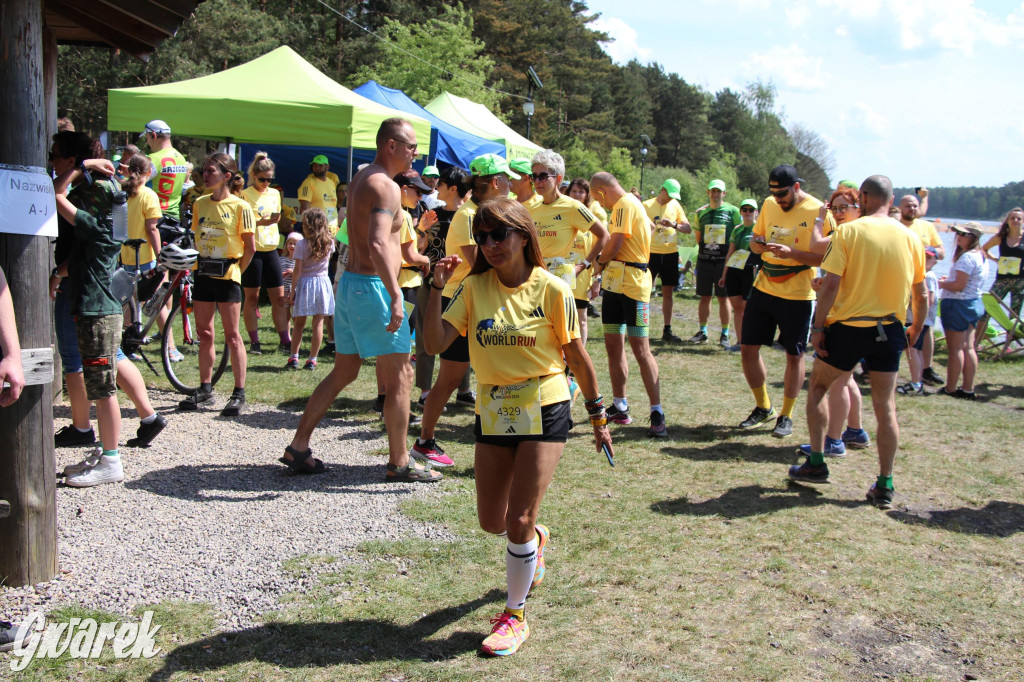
(599, 422)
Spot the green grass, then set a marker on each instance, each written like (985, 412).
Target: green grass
(693, 559)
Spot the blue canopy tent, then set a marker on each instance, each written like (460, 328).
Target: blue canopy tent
(291, 163)
(448, 144)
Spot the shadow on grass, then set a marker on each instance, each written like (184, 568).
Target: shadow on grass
(729, 451)
(352, 642)
(752, 500)
(996, 519)
(260, 482)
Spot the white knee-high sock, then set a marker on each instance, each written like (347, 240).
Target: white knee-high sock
(520, 564)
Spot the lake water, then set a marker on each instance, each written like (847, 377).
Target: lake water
(948, 238)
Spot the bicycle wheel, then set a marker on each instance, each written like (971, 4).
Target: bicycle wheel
(180, 332)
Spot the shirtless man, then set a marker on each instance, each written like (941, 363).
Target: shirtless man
(369, 311)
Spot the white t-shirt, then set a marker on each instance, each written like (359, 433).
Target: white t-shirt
(973, 263)
(931, 282)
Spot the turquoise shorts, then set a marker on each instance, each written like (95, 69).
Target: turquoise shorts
(362, 311)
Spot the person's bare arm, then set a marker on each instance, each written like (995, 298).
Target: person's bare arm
(578, 359)
(249, 244)
(437, 333)
(826, 298)
(385, 204)
(732, 250)
(611, 250)
(958, 283)
(12, 374)
(804, 257)
(819, 242)
(413, 257)
(153, 235)
(919, 298)
(601, 237)
(296, 276)
(994, 241)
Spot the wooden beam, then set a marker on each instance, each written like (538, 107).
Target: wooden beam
(116, 31)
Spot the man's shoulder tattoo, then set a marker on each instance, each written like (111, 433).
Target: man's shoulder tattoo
(380, 209)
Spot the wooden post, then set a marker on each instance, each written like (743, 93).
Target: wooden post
(28, 537)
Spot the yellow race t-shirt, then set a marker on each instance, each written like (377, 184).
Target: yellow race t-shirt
(629, 218)
(785, 277)
(460, 233)
(664, 239)
(145, 205)
(926, 231)
(879, 260)
(581, 246)
(218, 227)
(599, 212)
(530, 203)
(322, 194)
(264, 205)
(557, 225)
(516, 334)
(409, 276)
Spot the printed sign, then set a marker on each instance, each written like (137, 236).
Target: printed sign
(27, 203)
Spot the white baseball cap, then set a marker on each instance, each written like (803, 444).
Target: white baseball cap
(156, 126)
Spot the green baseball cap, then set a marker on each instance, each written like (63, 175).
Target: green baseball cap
(430, 172)
(521, 165)
(749, 202)
(319, 158)
(672, 187)
(849, 183)
(716, 184)
(491, 164)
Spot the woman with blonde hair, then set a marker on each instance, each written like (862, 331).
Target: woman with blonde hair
(312, 294)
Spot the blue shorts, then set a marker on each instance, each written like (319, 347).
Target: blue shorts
(67, 335)
(362, 311)
(959, 315)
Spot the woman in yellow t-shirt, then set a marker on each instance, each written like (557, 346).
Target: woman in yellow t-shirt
(265, 268)
(586, 288)
(520, 320)
(224, 227)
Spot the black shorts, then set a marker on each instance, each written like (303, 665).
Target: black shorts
(666, 266)
(766, 313)
(846, 346)
(556, 420)
(740, 281)
(619, 309)
(708, 274)
(919, 344)
(581, 304)
(264, 270)
(212, 290)
(459, 350)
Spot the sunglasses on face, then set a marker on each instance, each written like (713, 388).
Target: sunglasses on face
(746, 209)
(411, 146)
(541, 177)
(779, 193)
(270, 179)
(498, 235)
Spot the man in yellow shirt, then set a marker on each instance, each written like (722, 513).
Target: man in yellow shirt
(782, 297)
(320, 190)
(911, 211)
(626, 285)
(872, 267)
(668, 219)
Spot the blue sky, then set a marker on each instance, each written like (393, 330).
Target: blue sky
(928, 92)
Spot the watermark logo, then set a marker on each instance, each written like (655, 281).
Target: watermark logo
(85, 638)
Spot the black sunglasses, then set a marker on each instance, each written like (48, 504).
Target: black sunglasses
(780, 192)
(498, 234)
(747, 209)
(541, 177)
(270, 179)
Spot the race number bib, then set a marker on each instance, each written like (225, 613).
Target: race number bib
(783, 235)
(738, 259)
(612, 276)
(665, 237)
(511, 410)
(562, 268)
(332, 215)
(1009, 265)
(714, 234)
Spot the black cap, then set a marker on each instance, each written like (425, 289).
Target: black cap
(411, 178)
(783, 175)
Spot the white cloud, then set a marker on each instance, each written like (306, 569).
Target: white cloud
(789, 67)
(624, 44)
(862, 120)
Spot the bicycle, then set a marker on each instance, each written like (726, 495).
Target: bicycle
(179, 330)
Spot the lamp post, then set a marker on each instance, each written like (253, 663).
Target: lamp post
(533, 81)
(645, 142)
(528, 110)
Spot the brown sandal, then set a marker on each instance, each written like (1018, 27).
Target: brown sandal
(413, 472)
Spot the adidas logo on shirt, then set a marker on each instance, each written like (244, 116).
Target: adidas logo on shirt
(537, 312)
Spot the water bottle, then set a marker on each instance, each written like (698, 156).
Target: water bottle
(120, 211)
(151, 306)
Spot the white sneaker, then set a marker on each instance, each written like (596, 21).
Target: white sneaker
(89, 462)
(107, 470)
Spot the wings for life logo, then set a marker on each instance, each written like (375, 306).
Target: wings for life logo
(492, 333)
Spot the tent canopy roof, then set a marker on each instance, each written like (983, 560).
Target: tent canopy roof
(278, 98)
(478, 119)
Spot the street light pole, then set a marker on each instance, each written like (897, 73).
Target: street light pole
(645, 142)
(533, 81)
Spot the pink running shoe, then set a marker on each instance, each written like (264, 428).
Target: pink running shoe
(429, 451)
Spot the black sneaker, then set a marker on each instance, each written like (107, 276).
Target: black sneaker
(699, 338)
(964, 395)
(759, 417)
(668, 337)
(880, 497)
(783, 427)
(327, 350)
(285, 347)
(809, 473)
(198, 397)
(255, 349)
(932, 377)
(618, 416)
(378, 403)
(12, 633)
(234, 405)
(70, 437)
(414, 419)
(658, 428)
(147, 432)
(723, 341)
(468, 398)
(421, 401)
(592, 311)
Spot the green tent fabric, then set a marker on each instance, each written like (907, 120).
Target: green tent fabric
(278, 98)
(477, 119)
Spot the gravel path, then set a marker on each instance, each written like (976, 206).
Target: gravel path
(206, 513)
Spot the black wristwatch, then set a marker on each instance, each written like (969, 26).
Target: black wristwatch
(586, 264)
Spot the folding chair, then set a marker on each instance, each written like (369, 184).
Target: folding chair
(1009, 339)
(687, 263)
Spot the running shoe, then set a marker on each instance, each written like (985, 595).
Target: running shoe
(759, 417)
(657, 428)
(429, 452)
(91, 460)
(723, 341)
(147, 432)
(467, 398)
(880, 497)
(174, 355)
(195, 399)
(507, 635)
(378, 403)
(735, 348)
(234, 406)
(809, 473)
(961, 394)
(255, 349)
(783, 427)
(414, 419)
(293, 362)
(618, 416)
(543, 535)
(106, 470)
(668, 337)
(285, 347)
(833, 448)
(699, 338)
(858, 439)
(12, 634)
(932, 377)
(910, 389)
(592, 311)
(70, 437)
(310, 364)
(422, 400)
